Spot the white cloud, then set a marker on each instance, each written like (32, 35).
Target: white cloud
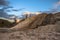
(57, 4)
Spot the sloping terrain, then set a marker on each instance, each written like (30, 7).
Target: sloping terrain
(29, 21)
(24, 24)
(40, 27)
(35, 21)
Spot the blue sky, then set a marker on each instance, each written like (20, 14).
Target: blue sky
(32, 5)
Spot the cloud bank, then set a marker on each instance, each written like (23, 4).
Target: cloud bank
(3, 3)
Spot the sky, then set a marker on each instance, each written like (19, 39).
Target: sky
(32, 5)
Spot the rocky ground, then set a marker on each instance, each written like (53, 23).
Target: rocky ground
(47, 32)
(48, 29)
